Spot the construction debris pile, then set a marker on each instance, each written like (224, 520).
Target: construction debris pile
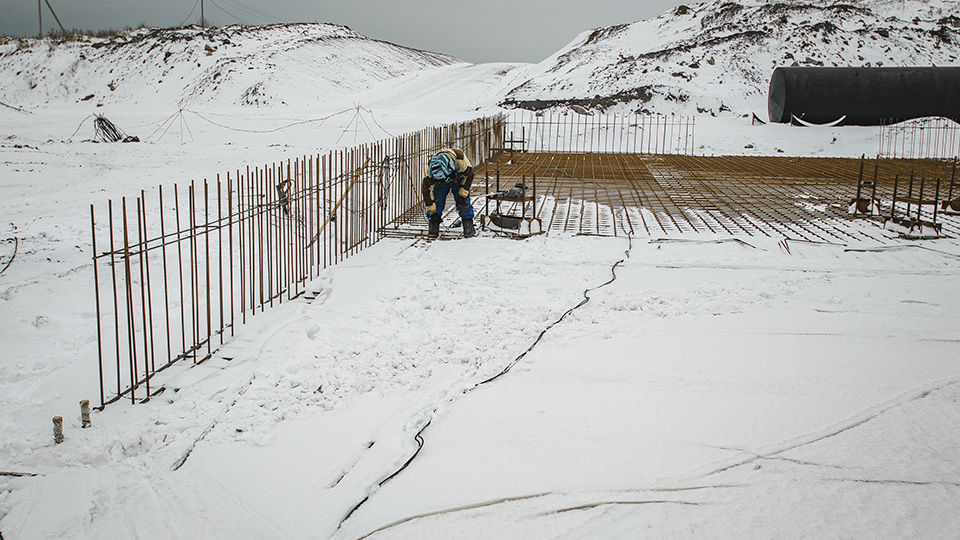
(107, 131)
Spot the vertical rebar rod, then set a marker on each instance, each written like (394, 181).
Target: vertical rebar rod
(343, 214)
(166, 280)
(183, 312)
(936, 199)
(309, 213)
(131, 331)
(320, 184)
(206, 242)
(283, 235)
(486, 198)
(263, 239)
(300, 223)
(116, 299)
(149, 306)
(147, 338)
(250, 241)
(288, 253)
(194, 275)
(220, 288)
(498, 189)
(534, 195)
(272, 263)
(96, 293)
(241, 228)
(253, 238)
(893, 203)
(326, 211)
(291, 284)
(230, 217)
(299, 272)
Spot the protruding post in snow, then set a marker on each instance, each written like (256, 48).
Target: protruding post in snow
(58, 429)
(85, 414)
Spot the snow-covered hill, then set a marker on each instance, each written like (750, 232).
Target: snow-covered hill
(718, 56)
(255, 66)
(706, 58)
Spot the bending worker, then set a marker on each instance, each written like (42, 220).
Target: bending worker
(449, 169)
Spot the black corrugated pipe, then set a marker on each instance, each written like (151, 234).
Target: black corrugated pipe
(865, 96)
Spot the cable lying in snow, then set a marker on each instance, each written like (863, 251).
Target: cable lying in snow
(515, 361)
(586, 298)
(419, 435)
(18, 474)
(18, 109)
(16, 246)
(419, 440)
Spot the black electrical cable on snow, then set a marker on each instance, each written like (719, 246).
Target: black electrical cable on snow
(419, 436)
(16, 246)
(586, 298)
(419, 439)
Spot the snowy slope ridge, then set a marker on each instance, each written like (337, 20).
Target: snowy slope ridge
(718, 56)
(252, 66)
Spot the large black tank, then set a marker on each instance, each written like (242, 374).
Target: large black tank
(866, 96)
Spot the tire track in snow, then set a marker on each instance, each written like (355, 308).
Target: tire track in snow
(837, 429)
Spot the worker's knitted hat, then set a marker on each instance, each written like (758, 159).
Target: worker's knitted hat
(442, 167)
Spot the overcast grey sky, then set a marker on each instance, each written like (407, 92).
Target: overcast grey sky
(479, 31)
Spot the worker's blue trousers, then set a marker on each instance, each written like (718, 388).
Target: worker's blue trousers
(464, 205)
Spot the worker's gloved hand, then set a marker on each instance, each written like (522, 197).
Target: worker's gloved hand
(464, 193)
(432, 208)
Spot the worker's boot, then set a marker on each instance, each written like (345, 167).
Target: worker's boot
(468, 229)
(433, 229)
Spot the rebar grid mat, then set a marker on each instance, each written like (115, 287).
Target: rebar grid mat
(778, 197)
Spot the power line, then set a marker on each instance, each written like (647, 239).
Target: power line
(253, 11)
(227, 12)
(197, 3)
(16, 6)
(113, 3)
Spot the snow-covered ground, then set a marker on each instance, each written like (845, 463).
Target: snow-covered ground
(717, 388)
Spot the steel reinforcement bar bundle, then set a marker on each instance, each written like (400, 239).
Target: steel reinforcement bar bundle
(177, 271)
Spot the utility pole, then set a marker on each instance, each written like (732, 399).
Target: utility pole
(40, 16)
(203, 22)
(62, 29)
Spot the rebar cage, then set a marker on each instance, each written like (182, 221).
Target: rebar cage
(177, 271)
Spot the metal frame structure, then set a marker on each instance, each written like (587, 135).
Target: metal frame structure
(177, 271)
(804, 199)
(568, 131)
(921, 138)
